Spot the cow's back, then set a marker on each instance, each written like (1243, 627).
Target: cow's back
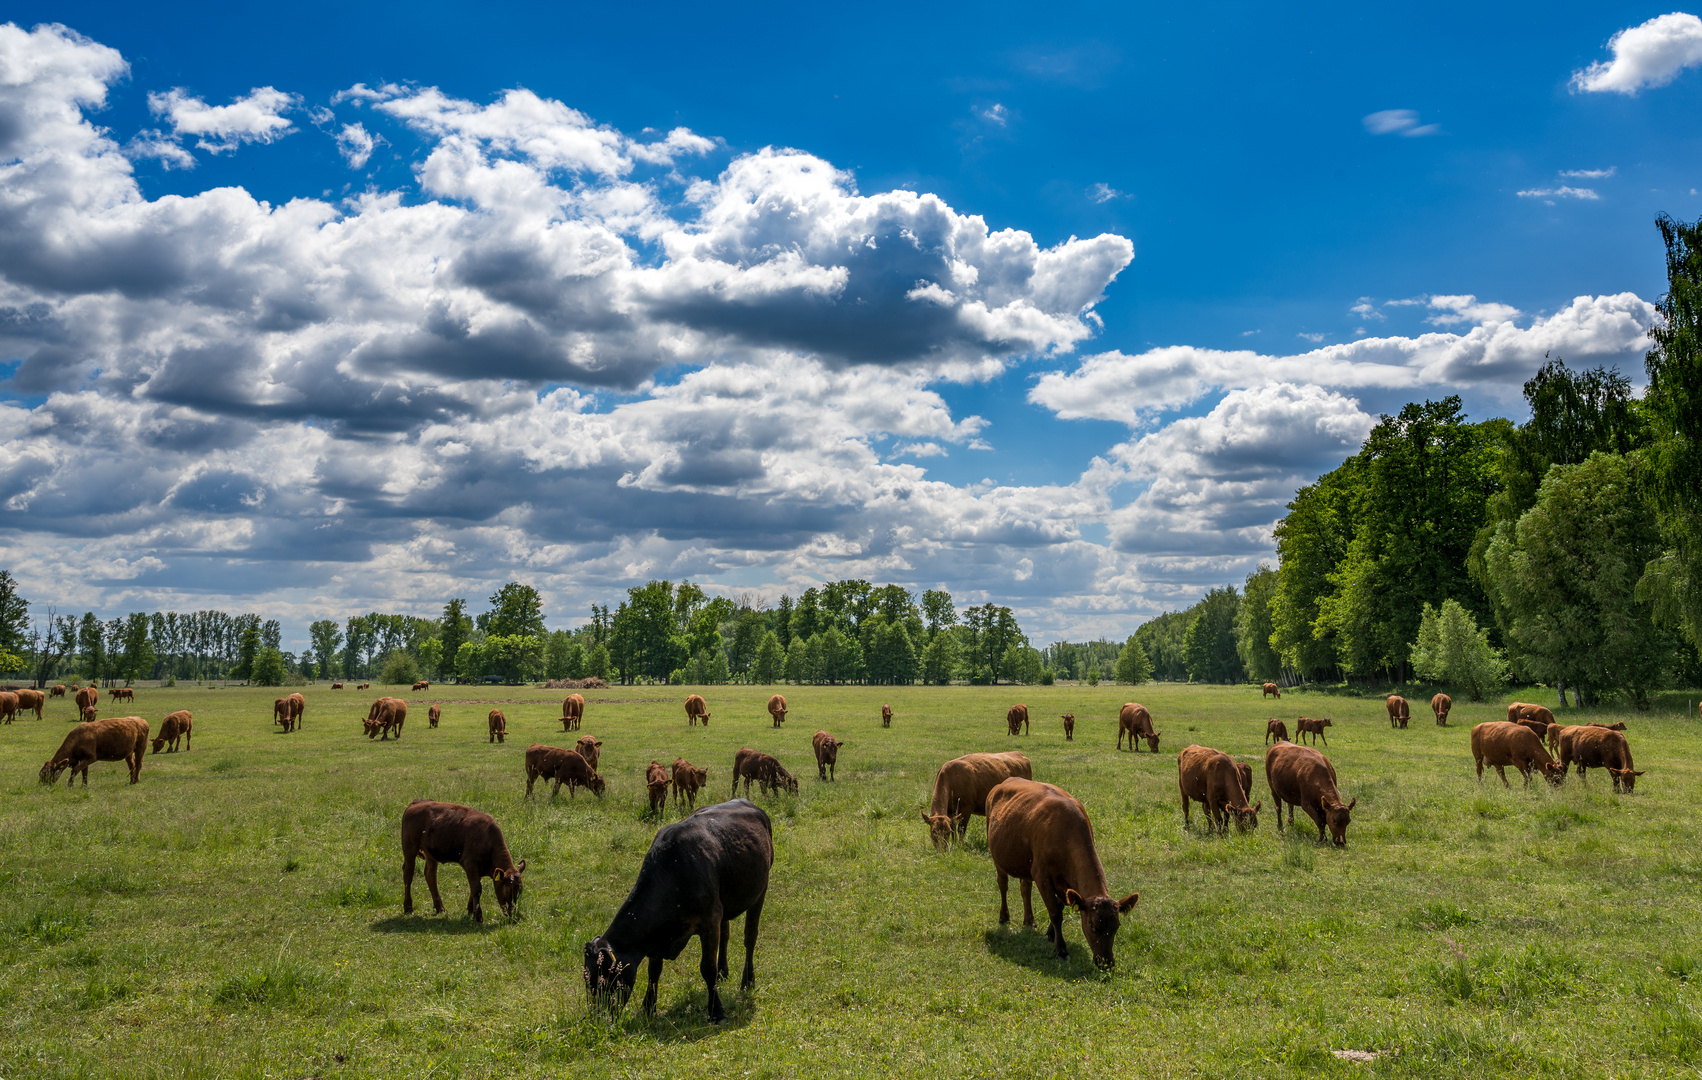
(962, 784)
(1600, 747)
(1292, 771)
(719, 853)
(1031, 825)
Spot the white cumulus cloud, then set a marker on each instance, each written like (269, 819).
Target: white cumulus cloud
(356, 144)
(1648, 55)
(258, 117)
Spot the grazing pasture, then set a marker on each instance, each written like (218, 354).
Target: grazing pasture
(238, 913)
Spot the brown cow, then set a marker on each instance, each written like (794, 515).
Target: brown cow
(697, 709)
(422, 685)
(1618, 725)
(498, 725)
(765, 769)
(656, 783)
(539, 763)
(386, 714)
(1275, 731)
(32, 701)
(1440, 705)
(590, 748)
(176, 726)
(1535, 727)
(1017, 719)
(449, 832)
(827, 753)
(57, 691)
(1069, 727)
(8, 706)
(886, 716)
(1134, 720)
(960, 791)
(1300, 776)
(1599, 747)
(1500, 744)
(1522, 710)
(90, 715)
(574, 771)
(123, 693)
(1400, 711)
(364, 686)
(688, 781)
(298, 705)
(117, 738)
(1212, 778)
(1306, 725)
(434, 714)
(336, 686)
(281, 712)
(572, 712)
(1245, 772)
(1040, 835)
(87, 698)
(777, 708)
(1270, 689)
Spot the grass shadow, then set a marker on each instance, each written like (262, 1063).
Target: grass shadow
(431, 924)
(1030, 949)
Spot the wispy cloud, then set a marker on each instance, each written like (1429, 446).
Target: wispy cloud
(1589, 174)
(1313, 338)
(1365, 309)
(995, 114)
(259, 117)
(1562, 192)
(1402, 122)
(355, 143)
(1103, 193)
(1648, 55)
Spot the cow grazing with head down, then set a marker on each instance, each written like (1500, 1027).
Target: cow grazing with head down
(1017, 719)
(124, 693)
(498, 725)
(57, 691)
(562, 766)
(386, 715)
(696, 709)
(336, 686)
(590, 748)
(1500, 744)
(960, 791)
(886, 716)
(1618, 725)
(117, 738)
(8, 706)
(281, 713)
(1524, 710)
(175, 726)
(364, 686)
(1275, 731)
(1270, 689)
(777, 708)
(1134, 721)
(1535, 727)
(827, 753)
(656, 783)
(698, 876)
(298, 705)
(90, 715)
(87, 698)
(1212, 778)
(1307, 726)
(688, 780)
(1596, 747)
(1400, 711)
(32, 701)
(422, 685)
(572, 712)
(1069, 727)
(1300, 776)
(434, 714)
(765, 769)
(1440, 705)
(452, 833)
(1040, 835)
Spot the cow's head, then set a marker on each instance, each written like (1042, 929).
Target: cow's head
(1624, 778)
(1100, 918)
(788, 781)
(940, 828)
(597, 785)
(51, 769)
(159, 741)
(606, 978)
(1337, 819)
(1554, 772)
(1247, 818)
(705, 718)
(1152, 741)
(89, 714)
(507, 886)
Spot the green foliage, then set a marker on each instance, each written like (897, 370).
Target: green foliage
(516, 611)
(1312, 540)
(268, 668)
(470, 660)
(1093, 674)
(770, 662)
(940, 658)
(1208, 647)
(398, 669)
(644, 642)
(564, 656)
(597, 663)
(889, 654)
(515, 658)
(1674, 407)
(14, 617)
(1162, 639)
(1133, 667)
(325, 636)
(1254, 627)
(991, 632)
(247, 651)
(1451, 649)
(431, 657)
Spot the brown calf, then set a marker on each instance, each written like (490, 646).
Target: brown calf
(1134, 720)
(57, 691)
(656, 783)
(434, 714)
(1275, 731)
(1069, 727)
(1211, 778)
(498, 725)
(1300, 776)
(688, 781)
(281, 712)
(697, 709)
(1017, 719)
(1440, 705)
(765, 769)
(1270, 689)
(336, 686)
(118, 738)
(1500, 744)
(572, 712)
(827, 753)
(8, 706)
(87, 698)
(1599, 747)
(174, 727)
(450, 832)
(1307, 726)
(960, 791)
(123, 693)
(886, 716)
(777, 708)
(422, 685)
(590, 748)
(364, 686)
(90, 715)
(1399, 711)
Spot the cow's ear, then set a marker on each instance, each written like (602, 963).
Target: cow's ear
(1072, 898)
(521, 869)
(1257, 805)
(925, 820)
(1638, 773)
(1354, 803)
(1124, 905)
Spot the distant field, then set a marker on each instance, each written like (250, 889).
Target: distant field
(239, 913)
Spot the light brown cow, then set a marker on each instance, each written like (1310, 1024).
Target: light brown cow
(298, 705)
(1500, 744)
(1301, 776)
(32, 701)
(434, 714)
(590, 748)
(827, 753)
(1041, 835)
(688, 781)
(336, 686)
(1598, 747)
(123, 693)
(8, 706)
(765, 769)
(656, 783)
(386, 715)
(57, 691)
(697, 709)
(118, 738)
(960, 791)
(449, 832)
(1270, 689)
(364, 686)
(1524, 710)
(1305, 725)
(422, 685)
(1017, 719)
(1069, 727)
(281, 712)
(90, 715)
(572, 712)
(1440, 705)
(777, 708)
(1400, 711)
(1211, 777)
(1275, 731)
(498, 725)
(886, 716)
(87, 698)
(1133, 720)
(1535, 727)
(175, 726)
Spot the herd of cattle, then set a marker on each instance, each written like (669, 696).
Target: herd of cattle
(712, 867)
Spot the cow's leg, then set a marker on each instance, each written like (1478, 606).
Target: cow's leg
(556, 790)
(1054, 916)
(1027, 885)
(1004, 896)
(753, 922)
(1317, 817)
(431, 883)
(1186, 820)
(1502, 769)
(474, 887)
(530, 776)
(1480, 770)
(655, 972)
(721, 955)
(735, 793)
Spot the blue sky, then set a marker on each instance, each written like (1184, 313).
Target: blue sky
(1280, 183)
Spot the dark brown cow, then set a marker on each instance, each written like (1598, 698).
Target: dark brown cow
(87, 698)
(1040, 835)
(1275, 731)
(960, 791)
(1500, 744)
(1441, 704)
(434, 714)
(364, 686)
(1400, 711)
(539, 763)
(1305, 725)
(1300, 776)
(8, 706)
(590, 748)
(123, 693)
(572, 712)
(698, 876)
(57, 691)
(498, 725)
(386, 715)
(697, 709)
(422, 685)
(117, 738)
(452, 833)
(1618, 725)
(298, 705)
(1599, 747)
(1069, 727)
(562, 766)
(1016, 719)
(1245, 772)
(177, 725)
(656, 783)
(336, 686)
(32, 701)
(1270, 689)
(1211, 778)
(688, 781)
(777, 709)
(827, 753)
(765, 769)
(1133, 720)
(886, 716)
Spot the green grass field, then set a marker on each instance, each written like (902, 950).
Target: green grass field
(239, 913)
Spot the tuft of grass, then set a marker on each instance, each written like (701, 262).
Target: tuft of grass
(292, 864)
(1440, 915)
(278, 983)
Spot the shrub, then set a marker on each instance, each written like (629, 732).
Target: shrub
(399, 669)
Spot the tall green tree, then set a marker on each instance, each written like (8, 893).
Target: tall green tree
(455, 628)
(1312, 540)
(1133, 667)
(326, 637)
(938, 610)
(516, 610)
(1451, 649)
(247, 649)
(1254, 627)
(1209, 644)
(770, 660)
(14, 616)
(1162, 640)
(91, 642)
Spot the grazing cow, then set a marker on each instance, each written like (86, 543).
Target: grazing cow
(1599, 747)
(696, 709)
(886, 716)
(498, 725)
(572, 712)
(87, 698)
(90, 715)
(1616, 726)
(298, 705)
(771, 776)
(123, 693)
(960, 791)
(32, 701)
(562, 766)
(281, 712)
(1300, 776)
(386, 714)
(422, 685)
(117, 738)
(1069, 727)
(364, 686)
(336, 686)
(688, 781)
(57, 691)
(590, 748)
(539, 762)
(827, 754)
(1521, 710)
(1270, 689)
(777, 708)
(434, 714)
(698, 876)
(1305, 725)
(452, 833)
(1040, 835)
(656, 783)
(1212, 778)
(1500, 744)
(1440, 705)
(1133, 720)
(1245, 772)
(174, 727)
(8, 706)
(1535, 727)
(1400, 711)
(1017, 719)
(1275, 731)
